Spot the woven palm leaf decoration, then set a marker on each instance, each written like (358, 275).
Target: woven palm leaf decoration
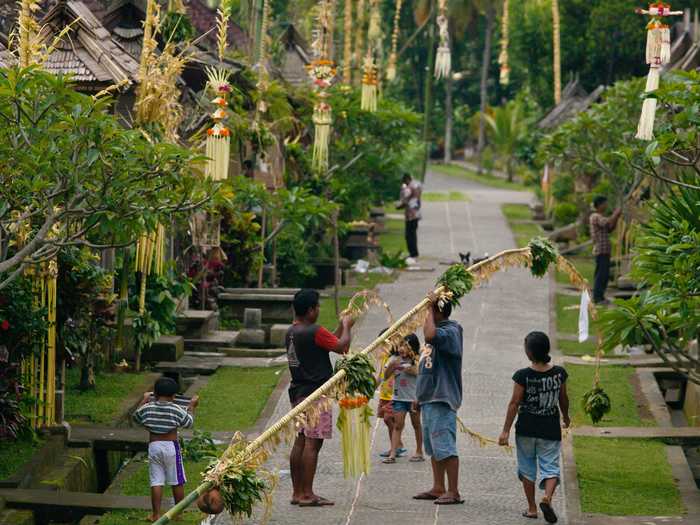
(657, 54)
(443, 59)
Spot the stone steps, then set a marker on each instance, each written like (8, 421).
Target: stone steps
(165, 348)
(211, 342)
(253, 352)
(192, 324)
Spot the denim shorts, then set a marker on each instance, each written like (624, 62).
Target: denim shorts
(401, 406)
(439, 423)
(534, 453)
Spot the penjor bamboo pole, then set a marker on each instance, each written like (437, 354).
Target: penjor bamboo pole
(556, 46)
(347, 43)
(169, 516)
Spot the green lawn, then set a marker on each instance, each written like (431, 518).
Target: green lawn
(615, 380)
(575, 348)
(516, 212)
(523, 232)
(122, 517)
(485, 179)
(102, 404)
(584, 265)
(391, 240)
(625, 477)
(439, 196)
(14, 454)
(233, 398)
(567, 314)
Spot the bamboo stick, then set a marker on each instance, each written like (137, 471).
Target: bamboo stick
(556, 44)
(497, 262)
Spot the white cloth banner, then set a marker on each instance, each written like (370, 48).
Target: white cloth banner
(583, 317)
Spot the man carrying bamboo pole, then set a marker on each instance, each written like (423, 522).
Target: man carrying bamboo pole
(308, 353)
(439, 393)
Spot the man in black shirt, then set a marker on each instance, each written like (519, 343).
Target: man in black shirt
(308, 354)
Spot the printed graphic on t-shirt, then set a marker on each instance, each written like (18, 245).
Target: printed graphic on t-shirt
(542, 395)
(426, 357)
(292, 353)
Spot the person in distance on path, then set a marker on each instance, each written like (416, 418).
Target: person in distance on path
(601, 227)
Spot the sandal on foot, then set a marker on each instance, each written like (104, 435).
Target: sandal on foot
(416, 459)
(318, 502)
(526, 514)
(426, 496)
(294, 502)
(448, 500)
(549, 515)
(389, 461)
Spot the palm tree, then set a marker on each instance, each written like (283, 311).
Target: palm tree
(489, 8)
(507, 126)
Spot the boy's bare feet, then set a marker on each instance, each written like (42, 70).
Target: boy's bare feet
(153, 517)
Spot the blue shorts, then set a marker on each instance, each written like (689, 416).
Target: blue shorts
(401, 406)
(534, 453)
(439, 423)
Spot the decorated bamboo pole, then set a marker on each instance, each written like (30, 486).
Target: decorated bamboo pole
(347, 43)
(556, 47)
(504, 77)
(393, 55)
(360, 38)
(480, 272)
(443, 58)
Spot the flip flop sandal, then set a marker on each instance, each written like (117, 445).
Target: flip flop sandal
(320, 502)
(389, 461)
(401, 452)
(448, 501)
(549, 515)
(416, 459)
(294, 502)
(526, 514)
(426, 496)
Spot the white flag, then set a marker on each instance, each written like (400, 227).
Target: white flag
(583, 317)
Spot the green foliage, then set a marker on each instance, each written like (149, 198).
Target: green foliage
(458, 280)
(543, 254)
(176, 27)
(507, 128)
(383, 145)
(21, 321)
(588, 146)
(359, 375)
(241, 489)
(15, 453)
(199, 447)
(81, 175)
(163, 295)
(146, 331)
(565, 213)
(393, 260)
(596, 403)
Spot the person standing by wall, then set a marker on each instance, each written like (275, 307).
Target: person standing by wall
(601, 227)
(439, 394)
(410, 203)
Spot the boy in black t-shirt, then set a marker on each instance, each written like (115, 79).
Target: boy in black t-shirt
(539, 394)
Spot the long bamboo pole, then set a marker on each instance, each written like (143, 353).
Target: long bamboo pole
(169, 516)
(556, 45)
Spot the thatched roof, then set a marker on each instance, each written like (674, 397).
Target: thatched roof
(88, 52)
(574, 100)
(296, 57)
(685, 49)
(6, 58)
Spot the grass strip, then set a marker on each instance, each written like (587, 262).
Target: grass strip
(102, 404)
(625, 477)
(233, 398)
(617, 382)
(14, 454)
(486, 179)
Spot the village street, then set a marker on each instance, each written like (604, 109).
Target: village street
(495, 319)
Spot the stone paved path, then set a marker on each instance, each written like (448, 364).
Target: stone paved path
(496, 319)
